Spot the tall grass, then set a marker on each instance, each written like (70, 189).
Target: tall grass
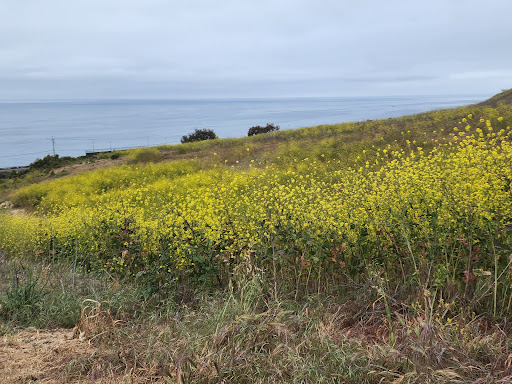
(245, 335)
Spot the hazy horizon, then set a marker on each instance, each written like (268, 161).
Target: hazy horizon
(199, 98)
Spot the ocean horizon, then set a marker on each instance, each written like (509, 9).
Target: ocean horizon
(34, 129)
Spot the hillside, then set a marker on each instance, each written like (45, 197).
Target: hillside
(361, 252)
(503, 98)
(343, 142)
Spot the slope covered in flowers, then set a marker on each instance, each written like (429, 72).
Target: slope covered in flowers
(400, 219)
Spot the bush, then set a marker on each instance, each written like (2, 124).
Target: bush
(50, 162)
(256, 130)
(199, 135)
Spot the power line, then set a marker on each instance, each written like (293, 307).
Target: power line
(74, 138)
(24, 142)
(24, 154)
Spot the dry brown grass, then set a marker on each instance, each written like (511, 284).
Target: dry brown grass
(80, 355)
(55, 357)
(41, 355)
(227, 342)
(75, 169)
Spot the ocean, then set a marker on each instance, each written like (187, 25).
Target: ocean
(31, 130)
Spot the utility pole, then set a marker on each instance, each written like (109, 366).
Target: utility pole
(53, 145)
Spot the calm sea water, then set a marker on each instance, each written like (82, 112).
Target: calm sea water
(27, 129)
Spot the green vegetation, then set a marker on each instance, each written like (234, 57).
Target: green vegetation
(503, 98)
(359, 252)
(49, 162)
(143, 155)
(33, 299)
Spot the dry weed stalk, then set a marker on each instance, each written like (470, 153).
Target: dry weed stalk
(96, 321)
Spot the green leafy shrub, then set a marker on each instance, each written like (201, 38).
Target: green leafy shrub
(50, 162)
(199, 135)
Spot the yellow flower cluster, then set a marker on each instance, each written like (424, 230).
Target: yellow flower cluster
(403, 211)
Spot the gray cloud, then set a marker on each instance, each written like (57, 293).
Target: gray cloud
(199, 48)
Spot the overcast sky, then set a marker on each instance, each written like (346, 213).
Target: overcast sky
(60, 49)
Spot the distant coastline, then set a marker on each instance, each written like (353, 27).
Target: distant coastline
(78, 126)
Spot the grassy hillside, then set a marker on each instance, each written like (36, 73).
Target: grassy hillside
(344, 142)
(503, 98)
(357, 252)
